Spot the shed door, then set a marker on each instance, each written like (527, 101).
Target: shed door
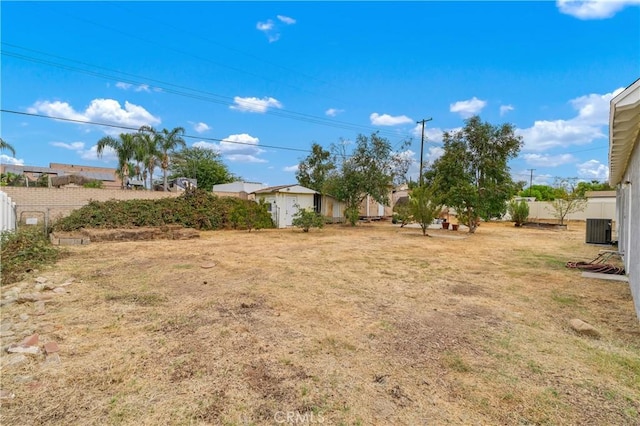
(291, 208)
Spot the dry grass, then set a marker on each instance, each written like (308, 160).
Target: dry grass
(372, 325)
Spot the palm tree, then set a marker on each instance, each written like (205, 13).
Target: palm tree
(124, 148)
(7, 146)
(148, 141)
(169, 141)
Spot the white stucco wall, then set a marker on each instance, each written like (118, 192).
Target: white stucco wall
(283, 205)
(629, 223)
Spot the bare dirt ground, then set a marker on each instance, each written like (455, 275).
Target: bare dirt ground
(373, 325)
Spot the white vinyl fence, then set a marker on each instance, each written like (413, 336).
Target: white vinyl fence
(7, 213)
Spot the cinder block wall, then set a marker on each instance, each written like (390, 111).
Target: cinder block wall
(50, 204)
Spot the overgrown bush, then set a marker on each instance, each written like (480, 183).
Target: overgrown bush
(24, 250)
(307, 218)
(519, 211)
(194, 209)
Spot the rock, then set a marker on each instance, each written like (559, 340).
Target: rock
(41, 280)
(7, 301)
(10, 293)
(5, 326)
(59, 290)
(14, 359)
(32, 350)
(38, 307)
(49, 286)
(24, 317)
(51, 347)
(28, 297)
(583, 328)
(68, 282)
(52, 359)
(40, 287)
(30, 341)
(6, 394)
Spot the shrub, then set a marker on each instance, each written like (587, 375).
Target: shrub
(519, 211)
(194, 209)
(93, 184)
(307, 218)
(24, 250)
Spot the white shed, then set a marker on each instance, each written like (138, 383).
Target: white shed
(284, 201)
(624, 174)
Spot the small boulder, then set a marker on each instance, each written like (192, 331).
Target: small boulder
(583, 328)
(41, 280)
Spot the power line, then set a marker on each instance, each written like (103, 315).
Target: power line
(115, 126)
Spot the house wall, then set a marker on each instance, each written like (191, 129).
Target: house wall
(282, 209)
(50, 204)
(629, 223)
(332, 209)
(371, 208)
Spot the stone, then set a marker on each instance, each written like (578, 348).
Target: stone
(41, 280)
(28, 297)
(30, 341)
(40, 287)
(49, 286)
(4, 394)
(38, 307)
(51, 347)
(10, 293)
(24, 317)
(59, 290)
(14, 359)
(8, 301)
(68, 282)
(5, 326)
(52, 359)
(583, 328)
(31, 350)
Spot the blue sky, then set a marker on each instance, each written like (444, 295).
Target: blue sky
(278, 76)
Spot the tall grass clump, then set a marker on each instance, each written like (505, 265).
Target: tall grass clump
(24, 250)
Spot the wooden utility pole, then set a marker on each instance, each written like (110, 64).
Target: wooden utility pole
(423, 121)
(530, 181)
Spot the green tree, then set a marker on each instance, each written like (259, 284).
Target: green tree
(423, 206)
(519, 211)
(402, 211)
(6, 146)
(167, 142)
(315, 170)
(124, 147)
(540, 192)
(594, 185)
(568, 199)
(367, 170)
(150, 141)
(473, 175)
(202, 164)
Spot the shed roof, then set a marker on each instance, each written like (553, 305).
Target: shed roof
(624, 130)
(292, 189)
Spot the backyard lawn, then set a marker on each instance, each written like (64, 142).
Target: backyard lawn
(372, 325)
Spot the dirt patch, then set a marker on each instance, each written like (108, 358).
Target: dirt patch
(368, 325)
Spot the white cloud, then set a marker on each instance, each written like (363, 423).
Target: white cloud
(587, 126)
(293, 168)
(73, 146)
(432, 154)
(287, 20)
(332, 112)
(593, 9)
(505, 109)
(388, 120)
(469, 107)
(5, 159)
(593, 169)
(107, 111)
(252, 104)
(108, 154)
(265, 26)
(269, 29)
(546, 160)
(201, 127)
(127, 86)
(241, 148)
(432, 134)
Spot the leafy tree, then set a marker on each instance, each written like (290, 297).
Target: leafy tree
(594, 185)
(367, 170)
(423, 206)
(307, 218)
(6, 146)
(519, 211)
(472, 175)
(314, 171)
(568, 199)
(202, 164)
(540, 192)
(124, 147)
(149, 140)
(402, 212)
(167, 141)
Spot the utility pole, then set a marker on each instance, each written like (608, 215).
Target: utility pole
(423, 121)
(530, 181)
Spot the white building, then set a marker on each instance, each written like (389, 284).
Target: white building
(624, 174)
